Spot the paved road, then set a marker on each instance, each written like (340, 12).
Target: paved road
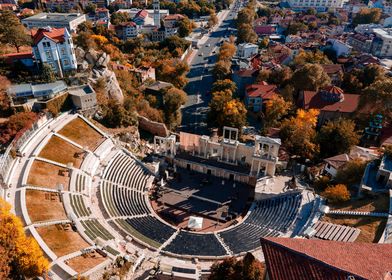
(194, 113)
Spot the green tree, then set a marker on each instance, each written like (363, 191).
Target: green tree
(47, 73)
(280, 76)
(366, 16)
(12, 31)
(90, 8)
(185, 27)
(222, 85)
(337, 137)
(173, 99)
(310, 77)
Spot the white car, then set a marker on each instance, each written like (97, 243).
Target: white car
(208, 45)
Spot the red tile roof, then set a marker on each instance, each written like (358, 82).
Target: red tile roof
(294, 259)
(264, 30)
(174, 17)
(314, 100)
(55, 34)
(332, 68)
(338, 161)
(12, 57)
(261, 90)
(142, 14)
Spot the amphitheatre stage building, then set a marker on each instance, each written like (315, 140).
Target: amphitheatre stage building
(87, 200)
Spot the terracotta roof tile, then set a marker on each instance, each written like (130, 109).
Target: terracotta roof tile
(314, 100)
(55, 34)
(294, 258)
(337, 161)
(261, 90)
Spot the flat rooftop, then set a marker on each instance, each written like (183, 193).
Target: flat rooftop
(80, 90)
(54, 17)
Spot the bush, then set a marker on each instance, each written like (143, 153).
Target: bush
(337, 193)
(322, 182)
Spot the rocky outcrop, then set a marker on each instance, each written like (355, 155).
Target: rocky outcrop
(96, 65)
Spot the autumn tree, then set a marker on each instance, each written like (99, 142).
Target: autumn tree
(299, 134)
(245, 16)
(275, 109)
(310, 77)
(222, 69)
(337, 193)
(5, 104)
(366, 16)
(351, 173)
(47, 74)
(173, 71)
(16, 123)
(337, 137)
(185, 27)
(317, 56)
(173, 99)
(12, 31)
(21, 256)
(212, 21)
(378, 97)
(226, 51)
(296, 27)
(119, 17)
(222, 85)
(226, 111)
(115, 115)
(144, 109)
(280, 76)
(248, 268)
(246, 34)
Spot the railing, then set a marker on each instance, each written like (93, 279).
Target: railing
(20, 139)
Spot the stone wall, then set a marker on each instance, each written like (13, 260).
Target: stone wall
(154, 128)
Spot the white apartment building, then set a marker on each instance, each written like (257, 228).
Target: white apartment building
(54, 47)
(382, 43)
(317, 4)
(247, 50)
(55, 20)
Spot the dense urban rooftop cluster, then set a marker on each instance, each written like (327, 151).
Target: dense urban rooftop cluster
(212, 139)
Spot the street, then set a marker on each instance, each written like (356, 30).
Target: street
(194, 112)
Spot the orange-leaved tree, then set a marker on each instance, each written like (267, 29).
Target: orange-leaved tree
(337, 193)
(20, 254)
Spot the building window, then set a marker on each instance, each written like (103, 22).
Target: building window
(48, 55)
(62, 51)
(66, 62)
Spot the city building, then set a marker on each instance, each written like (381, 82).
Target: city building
(247, 50)
(127, 30)
(54, 47)
(317, 4)
(298, 258)
(382, 43)
(331, 101)
(132, 12)
(361, 42)
(257, 94)
(227, 158)
(341, 48)
(23, 92)
(55, 20)
(84, 99)
(157, 14)
(335, 72)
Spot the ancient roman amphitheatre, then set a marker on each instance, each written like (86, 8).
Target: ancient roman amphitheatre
(88, 200)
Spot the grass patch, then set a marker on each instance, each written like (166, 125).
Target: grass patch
(61, 151)
(85, 262)
(371, 228)
(44, 206)
(62, 240)
(43, 174)
(83, 134)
